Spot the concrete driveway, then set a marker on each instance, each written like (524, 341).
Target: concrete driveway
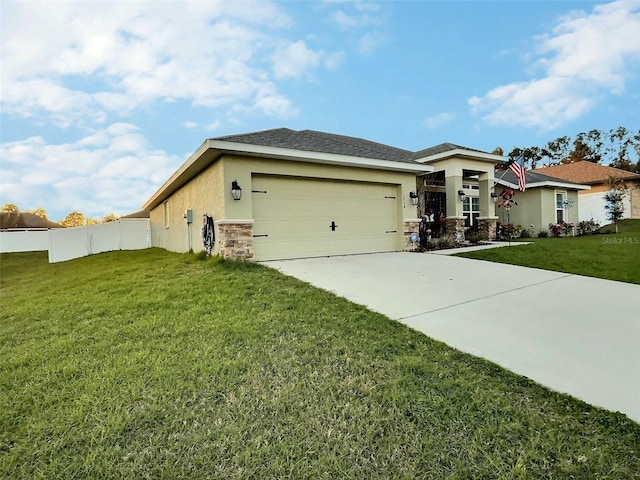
(574, 334)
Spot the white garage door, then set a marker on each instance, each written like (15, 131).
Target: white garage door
(304, 217)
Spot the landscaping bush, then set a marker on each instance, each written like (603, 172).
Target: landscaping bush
(444, 241)
(543, 234)
(509, 231)
(474, 237)
(587, 227)
(526, 233)
(559, 229)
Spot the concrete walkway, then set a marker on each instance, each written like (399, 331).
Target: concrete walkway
(574, 334)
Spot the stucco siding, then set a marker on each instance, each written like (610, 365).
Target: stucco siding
(210, 192)
(203, 194)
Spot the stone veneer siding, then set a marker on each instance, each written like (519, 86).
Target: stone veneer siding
(487, 227)
(455, 226)
(235, 239)
(411, 227)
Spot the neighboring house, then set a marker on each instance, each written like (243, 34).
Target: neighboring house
(24, 221)
(545, 200)
(599, 178)
(25, 232)
(281, 193)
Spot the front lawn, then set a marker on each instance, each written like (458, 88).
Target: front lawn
(609, 256)
(151, 364)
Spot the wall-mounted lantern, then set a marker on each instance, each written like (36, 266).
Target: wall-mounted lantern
(414, 198)
(494, 197)
(461, 195)
(236, 191)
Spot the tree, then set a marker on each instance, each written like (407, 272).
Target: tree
(40, 212)
(10, 208)
(586, 147)
(558, 150)
(74, 219)
(109, 217)
(614, 201)
(531, 155)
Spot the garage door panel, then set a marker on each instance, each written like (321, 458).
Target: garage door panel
(294, 217)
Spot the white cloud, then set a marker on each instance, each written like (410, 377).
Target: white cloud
(113, 169)
(586, 56)
(297, 59)
(440, 119)
(78, 62)
(368, 43)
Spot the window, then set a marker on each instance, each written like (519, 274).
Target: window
(165, 209)
(561, 198)
(471, 210)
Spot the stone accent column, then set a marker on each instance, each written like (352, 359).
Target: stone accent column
(411, 226)
(487, 227)
(455, 227)
(235, 239)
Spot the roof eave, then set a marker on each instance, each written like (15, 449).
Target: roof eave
(464, 153)
(211, 150)
(546, 183)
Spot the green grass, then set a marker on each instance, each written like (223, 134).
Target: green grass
(609, 256)
(150, 364)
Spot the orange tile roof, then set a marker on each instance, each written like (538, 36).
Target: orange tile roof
(585, 172)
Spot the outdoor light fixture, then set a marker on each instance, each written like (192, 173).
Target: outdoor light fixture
(461, 195)
(236, 191)
(494, 197)
(414, 198)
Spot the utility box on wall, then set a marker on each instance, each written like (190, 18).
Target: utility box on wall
(188, 215)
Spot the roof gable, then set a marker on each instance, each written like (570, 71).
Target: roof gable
(441, 148)
(536, 180)
(586, 172)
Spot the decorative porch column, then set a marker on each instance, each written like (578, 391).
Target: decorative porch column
(235, 239)
(410, 227)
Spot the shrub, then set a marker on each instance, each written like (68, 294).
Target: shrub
(474, 237)
(506, 232)
(588, 227)
(444, 241)
(558, 229)
(526, 233)
(543, 234)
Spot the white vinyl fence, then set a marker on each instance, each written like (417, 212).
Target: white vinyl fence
(31, 240)
(126, 234)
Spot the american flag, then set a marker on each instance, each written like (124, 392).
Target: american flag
(517, 167)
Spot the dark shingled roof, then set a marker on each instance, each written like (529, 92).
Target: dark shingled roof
(532, 177)
(25, 220)
(313, 141)
(138, 214)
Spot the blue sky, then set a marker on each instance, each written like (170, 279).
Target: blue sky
(102, 101)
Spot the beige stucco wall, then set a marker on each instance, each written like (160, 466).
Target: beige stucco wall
(537, 207)
(210, 192)
(203, 194)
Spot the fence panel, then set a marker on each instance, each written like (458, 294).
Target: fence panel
(103, 237)
(24, 241)
(69, 243)
(134, 234)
